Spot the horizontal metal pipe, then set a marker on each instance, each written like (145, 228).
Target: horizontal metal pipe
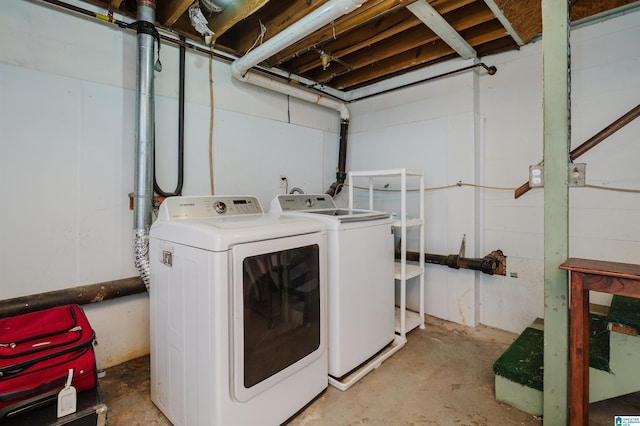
(82, 295)
(492, 264)
(491, 70)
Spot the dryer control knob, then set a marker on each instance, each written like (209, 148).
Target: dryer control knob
(308, 202)
(220, 207)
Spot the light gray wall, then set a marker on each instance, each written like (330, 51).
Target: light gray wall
(67, 110)
(67, 129)
(486, 131)
(603, 224)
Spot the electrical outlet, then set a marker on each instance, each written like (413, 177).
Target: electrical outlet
(282, 181)
(577, 173)
(536, 176)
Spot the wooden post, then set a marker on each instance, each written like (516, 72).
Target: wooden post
(556, 106)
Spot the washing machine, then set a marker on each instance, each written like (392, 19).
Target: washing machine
(238, 312)
(360, 260)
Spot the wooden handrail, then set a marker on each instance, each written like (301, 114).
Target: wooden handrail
(591, 142)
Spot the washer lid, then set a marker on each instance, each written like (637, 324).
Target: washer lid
(324, 207)
(346, 215)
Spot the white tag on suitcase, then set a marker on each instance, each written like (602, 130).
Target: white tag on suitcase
(67, 400)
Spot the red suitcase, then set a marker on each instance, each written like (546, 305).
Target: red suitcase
(37, 350)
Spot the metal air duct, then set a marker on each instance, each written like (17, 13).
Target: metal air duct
(143, 171)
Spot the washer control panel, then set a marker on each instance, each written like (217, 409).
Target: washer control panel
(297, 202)
(175, 208)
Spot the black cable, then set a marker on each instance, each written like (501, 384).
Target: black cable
(181, 102)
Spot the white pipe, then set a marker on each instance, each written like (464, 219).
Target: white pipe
(302, 28)
(305, 26)
(295, 91)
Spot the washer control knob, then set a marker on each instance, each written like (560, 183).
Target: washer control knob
(308, 202)
(220, 207)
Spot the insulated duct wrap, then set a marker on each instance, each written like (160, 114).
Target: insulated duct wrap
(141, 255)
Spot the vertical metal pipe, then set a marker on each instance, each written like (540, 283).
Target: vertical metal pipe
(143, 171)
(341, 174)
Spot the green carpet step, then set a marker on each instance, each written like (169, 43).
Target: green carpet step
(522, 362)
(519, 371)
(625, 311)
(614, 359)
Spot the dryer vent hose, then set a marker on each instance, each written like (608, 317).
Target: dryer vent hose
(141, 253)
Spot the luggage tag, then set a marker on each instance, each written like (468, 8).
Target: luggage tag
(67, 397)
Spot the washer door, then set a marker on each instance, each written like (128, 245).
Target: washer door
(278, 310)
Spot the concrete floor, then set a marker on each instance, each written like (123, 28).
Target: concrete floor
(443, 376)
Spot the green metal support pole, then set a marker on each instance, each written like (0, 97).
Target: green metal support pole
(556, 113)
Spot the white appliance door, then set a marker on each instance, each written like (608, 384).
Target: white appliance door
(278, 310)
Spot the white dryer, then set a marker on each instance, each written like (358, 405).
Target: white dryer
(360, 259)
(238, 312)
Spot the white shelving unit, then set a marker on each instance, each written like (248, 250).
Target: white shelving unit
(406, 320)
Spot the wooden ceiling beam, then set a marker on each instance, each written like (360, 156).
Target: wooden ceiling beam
(407, 40)
(114, 4)
(525, 17)
(275, 16)
(168, 12)
(461, 19)
(446, 6)
(497, 46)
(369, 11)
(485, 33)
(382, 29)
(234, 13)
(504, 21)
(418, 56)
(489, 32)
(436, 22)
(373, 12)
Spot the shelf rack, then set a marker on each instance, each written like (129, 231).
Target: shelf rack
(406, 320)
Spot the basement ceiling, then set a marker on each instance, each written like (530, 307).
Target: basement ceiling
(379, 40)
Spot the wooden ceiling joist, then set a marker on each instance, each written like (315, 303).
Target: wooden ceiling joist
(407, 40)
(274, 16)
(432, 19)
(380, 39)
(388, 26)
(367, 12)
(169, 12)
(234, 13)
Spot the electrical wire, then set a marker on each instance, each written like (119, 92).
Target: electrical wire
(436, 188)
(496, 188)
(260, 38)
(611, 188)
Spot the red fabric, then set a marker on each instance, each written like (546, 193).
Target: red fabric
(39, 348)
